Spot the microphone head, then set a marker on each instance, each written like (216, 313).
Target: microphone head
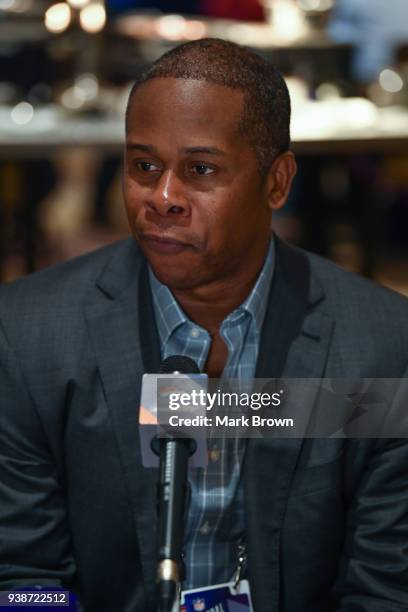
(178, 363)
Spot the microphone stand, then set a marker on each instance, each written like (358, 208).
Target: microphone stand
(172, 493)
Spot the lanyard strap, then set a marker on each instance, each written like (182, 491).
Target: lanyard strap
(241, 563)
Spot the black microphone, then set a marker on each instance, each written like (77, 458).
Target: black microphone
(172, 494)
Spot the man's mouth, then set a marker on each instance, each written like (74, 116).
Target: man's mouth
(162, 243)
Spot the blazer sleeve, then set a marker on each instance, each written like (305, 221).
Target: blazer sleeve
(34, 536)
(373, 570)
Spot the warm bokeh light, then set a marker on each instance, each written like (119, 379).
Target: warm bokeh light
(22, 113)
(195, 29)
(78, 4)
(88, 84)
(287, 20)
(58, 17)
(327, 91)
(93, 18)
(315, 5)
(359, 113)
(171, 27)
(390, 80)
(73, 98)
(82, 93)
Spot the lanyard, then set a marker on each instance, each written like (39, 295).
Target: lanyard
(241, 565)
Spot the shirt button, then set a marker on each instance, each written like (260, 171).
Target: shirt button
(205, 528)
(195, 332)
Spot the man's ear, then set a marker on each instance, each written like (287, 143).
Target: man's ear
(279, 179)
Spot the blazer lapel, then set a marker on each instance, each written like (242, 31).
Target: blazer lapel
(295, 341)
(122, 329)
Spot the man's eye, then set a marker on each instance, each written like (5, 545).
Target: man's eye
(146, 166)
(202, 169)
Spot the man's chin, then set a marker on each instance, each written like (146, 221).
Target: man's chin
(175, 279)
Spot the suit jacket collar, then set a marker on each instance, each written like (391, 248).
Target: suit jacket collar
(295, 341)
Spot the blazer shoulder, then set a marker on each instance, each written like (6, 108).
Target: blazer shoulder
(370, 320)
(66, 286)
(364, 295)
(342, 290)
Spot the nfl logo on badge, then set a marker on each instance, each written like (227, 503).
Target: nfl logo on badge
(199, 605)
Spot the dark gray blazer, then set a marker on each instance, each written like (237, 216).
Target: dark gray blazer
(326, 520)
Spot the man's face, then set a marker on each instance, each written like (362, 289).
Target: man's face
(194, 197)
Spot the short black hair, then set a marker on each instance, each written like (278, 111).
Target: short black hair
(266, 114)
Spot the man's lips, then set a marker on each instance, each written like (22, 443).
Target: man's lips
(164, 244)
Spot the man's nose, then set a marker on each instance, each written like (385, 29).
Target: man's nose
(168, 196)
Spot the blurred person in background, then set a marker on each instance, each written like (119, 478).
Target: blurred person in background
(376, 29)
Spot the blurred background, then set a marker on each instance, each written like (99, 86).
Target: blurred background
(65, 72)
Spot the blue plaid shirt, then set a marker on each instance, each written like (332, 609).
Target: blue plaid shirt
(216, 514)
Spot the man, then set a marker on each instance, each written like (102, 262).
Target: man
(324, 522)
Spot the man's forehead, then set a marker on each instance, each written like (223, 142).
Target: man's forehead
(187, 94)
(187, 112)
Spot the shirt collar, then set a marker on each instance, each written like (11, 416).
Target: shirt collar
(256, 302)
(170, 316)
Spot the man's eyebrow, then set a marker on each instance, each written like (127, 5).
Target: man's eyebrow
(140, 147)
(210, 150)
(148, 148)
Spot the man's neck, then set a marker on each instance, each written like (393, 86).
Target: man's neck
(208, 306)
